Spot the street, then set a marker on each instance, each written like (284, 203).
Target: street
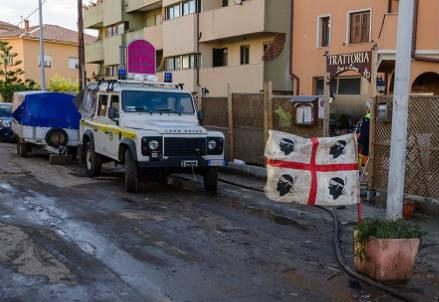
(65, 237)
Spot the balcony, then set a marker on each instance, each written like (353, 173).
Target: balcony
(242, 78)
(153, 35)
(252, 17)
(94, 52)
(112, 50)
(113, 12)
(142, 5)
(179, 36)
(94, 16)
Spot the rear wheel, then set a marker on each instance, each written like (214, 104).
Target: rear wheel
(131, 173)
(92, 161)
(211, 180)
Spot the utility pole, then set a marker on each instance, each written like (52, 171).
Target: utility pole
(81, 55)
(400, 110)
(42, 56)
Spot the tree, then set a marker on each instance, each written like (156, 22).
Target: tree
(60, 84)
(10, 73)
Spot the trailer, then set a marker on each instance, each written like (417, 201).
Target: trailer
(45, 120)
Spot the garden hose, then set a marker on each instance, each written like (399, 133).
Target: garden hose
(338, 253)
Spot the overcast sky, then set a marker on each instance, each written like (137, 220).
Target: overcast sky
(57, 12)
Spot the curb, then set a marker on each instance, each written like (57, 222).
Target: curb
(245, 170)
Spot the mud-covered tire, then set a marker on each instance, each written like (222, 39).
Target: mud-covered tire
(131, 173)
(92, 161)
(23, 148)
(211, 180)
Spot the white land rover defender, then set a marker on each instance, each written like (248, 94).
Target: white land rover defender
(148, 127)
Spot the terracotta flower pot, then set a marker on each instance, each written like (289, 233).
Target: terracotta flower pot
(389, 260)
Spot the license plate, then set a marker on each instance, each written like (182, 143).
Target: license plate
(216, 163)
(189, 163)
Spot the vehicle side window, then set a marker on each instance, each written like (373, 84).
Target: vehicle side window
(114, 103)
(102, 105)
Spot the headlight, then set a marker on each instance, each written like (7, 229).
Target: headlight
(153, 145)
(211, 145)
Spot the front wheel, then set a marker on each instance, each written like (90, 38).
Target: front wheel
(211, 180)
(131, 173)
(92, 161)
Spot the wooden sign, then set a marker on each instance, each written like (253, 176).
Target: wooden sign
(360, 62)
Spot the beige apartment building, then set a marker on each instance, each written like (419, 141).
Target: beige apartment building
(61, 51)
(323, 30)
(239, 42)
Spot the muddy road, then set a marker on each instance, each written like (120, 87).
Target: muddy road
(64, 237)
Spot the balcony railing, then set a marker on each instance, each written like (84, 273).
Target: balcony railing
(94, 16)
(153, 35)
(112, 50)
(142, 5)
(94, 52)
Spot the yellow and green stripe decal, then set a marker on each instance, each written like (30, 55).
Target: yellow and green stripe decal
(112, 130)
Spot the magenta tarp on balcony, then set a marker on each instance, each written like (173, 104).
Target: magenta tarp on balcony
(141, 57)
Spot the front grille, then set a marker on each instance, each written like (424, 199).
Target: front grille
(185, 146)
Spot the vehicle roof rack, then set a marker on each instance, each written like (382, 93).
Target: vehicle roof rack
(149, 83)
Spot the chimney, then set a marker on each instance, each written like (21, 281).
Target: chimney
(26, 26)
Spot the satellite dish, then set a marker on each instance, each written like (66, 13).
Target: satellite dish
(238, 2)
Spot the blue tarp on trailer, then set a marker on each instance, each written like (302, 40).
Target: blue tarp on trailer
(46, 109)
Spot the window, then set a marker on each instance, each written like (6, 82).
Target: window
(114, 103)
(114, 30)
(10, 61)
(111, 71)
(349, 86)
(189, 61)
(245, 55)
(324, 31)
(73, 63)
(102, 105)
(359, 27)
(47, 61)
(225, 3)
(319, 86)
(220, 57)
(173, 11)
(173, 63)
(157, 102)
(189, 7)
(158, 19)
(266, 45)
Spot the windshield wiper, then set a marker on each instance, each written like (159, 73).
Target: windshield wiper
(168, 110)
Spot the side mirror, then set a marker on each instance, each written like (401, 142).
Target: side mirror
(200, 116)
(112, 113)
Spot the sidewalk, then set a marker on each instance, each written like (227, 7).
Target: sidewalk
(423, 286)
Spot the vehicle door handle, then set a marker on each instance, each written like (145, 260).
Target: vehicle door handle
(95, 130)
(107, 132)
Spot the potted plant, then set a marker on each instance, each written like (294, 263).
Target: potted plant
(385, 250)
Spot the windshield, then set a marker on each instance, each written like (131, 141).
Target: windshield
(157, 102)
(5, 110)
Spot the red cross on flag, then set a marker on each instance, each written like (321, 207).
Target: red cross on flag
(317, 171)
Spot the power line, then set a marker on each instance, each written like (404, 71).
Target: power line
(31, 14)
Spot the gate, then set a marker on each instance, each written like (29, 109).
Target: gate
(422, 158)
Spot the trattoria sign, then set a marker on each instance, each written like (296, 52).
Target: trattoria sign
(360, 62)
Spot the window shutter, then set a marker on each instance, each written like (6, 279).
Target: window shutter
(365, 27)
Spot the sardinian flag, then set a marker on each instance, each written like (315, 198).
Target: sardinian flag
(317, 171)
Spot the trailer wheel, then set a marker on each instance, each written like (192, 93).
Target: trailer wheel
(92, 161)
(131, 173)
(23, 148)
(211, 180)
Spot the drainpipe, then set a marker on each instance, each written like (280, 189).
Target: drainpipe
(414, 37)
(293, 76)
(198, 8)
(389, 6)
